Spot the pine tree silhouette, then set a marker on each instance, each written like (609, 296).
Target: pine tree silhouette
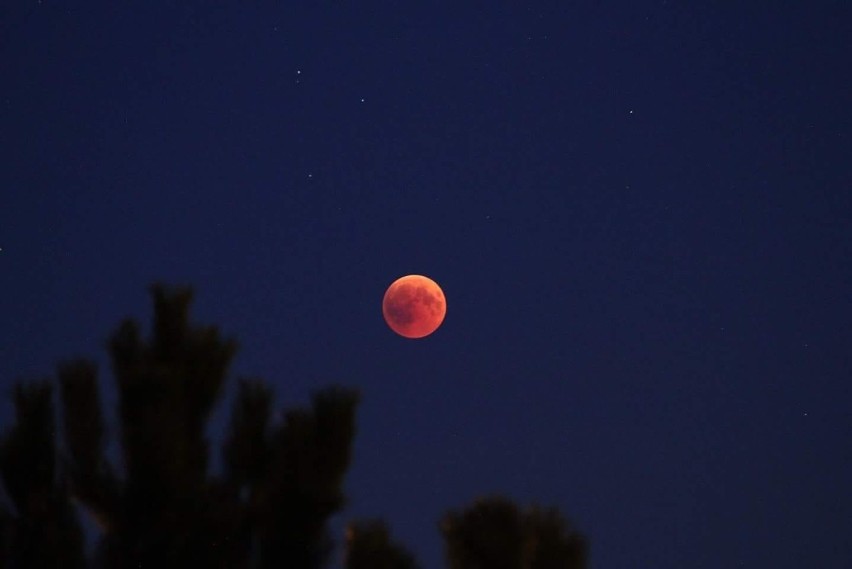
(269, 509)
(494, 533)
(161, 507)
(43, 530)
(369, 546)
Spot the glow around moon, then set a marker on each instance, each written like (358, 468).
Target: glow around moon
(414, 306)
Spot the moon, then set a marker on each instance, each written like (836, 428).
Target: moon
(414, 306)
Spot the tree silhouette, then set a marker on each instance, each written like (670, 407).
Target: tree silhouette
(493, 533)
(43, 532)
(161, 506)
(369, 546)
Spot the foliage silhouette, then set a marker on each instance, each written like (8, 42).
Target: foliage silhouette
(270, 507)
(43, 532)
(369, 546)
(493, 533)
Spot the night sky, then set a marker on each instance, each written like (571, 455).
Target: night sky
(639, 213)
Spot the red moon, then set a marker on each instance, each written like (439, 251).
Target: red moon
(414, 306)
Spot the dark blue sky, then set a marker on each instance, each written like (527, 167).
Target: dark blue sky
(639, 213)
